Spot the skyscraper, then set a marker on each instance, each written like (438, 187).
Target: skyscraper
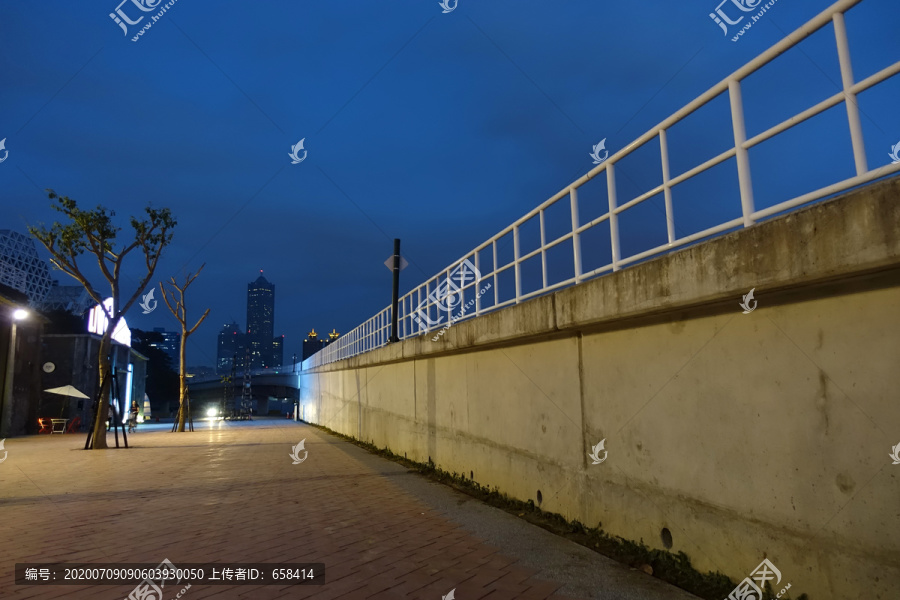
(170, 343)
(230, 348)
(261, 322)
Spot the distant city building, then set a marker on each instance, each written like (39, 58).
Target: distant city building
(70, 298)
(277, 351)
(261, 322)
(230, 348)
(170, 344)
(313, 343)
(21, 268)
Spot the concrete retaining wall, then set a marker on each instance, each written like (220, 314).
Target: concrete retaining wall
(747, 436)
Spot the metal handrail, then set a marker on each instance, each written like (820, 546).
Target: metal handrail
(375, 332)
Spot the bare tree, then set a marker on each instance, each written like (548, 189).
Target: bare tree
(180, 312)
(93, 231)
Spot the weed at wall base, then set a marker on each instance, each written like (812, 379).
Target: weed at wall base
(672, 568)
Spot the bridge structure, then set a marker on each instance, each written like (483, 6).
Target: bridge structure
(272, 389)
(728, 393)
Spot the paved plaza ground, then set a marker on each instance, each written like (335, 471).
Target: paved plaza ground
(230, 493)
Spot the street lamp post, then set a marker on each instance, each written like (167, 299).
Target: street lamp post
(6, 413)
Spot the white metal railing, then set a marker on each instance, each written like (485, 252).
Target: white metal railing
(375, 332)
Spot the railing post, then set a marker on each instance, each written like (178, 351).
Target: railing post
(428, 304)
(516, 262)
(407, 319)
(496, 276)
(477, 284)
(743, 158)
(543, 252)
(448, 289)
(667, 191)
(413, 324)
(856, 135)
(613, 217)
(576, 237)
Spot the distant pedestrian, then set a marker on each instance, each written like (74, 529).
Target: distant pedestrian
(132, 419)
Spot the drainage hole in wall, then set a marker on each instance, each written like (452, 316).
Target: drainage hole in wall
(666, 536)
(540, 497)
(471, 474)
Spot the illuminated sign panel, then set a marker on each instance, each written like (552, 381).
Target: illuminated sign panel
(98, 322)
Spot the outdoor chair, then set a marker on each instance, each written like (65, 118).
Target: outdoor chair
(74, 425)
(46, 426)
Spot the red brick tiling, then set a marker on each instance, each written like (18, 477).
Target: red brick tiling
(232, 494)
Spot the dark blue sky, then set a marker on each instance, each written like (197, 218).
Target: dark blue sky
(439, 129)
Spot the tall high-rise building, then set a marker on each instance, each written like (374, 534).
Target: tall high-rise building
(170, 344)
(230, 348)
(261, 322)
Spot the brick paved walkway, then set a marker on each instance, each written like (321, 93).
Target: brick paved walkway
(229, 492)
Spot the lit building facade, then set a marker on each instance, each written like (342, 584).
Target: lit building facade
(313, 343)
(261, 322)
(170, 344)
(230, 349)
(277, 351)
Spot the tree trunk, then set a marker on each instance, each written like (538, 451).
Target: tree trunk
(98, 442)
(182, 372)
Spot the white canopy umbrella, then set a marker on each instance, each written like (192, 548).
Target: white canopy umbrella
(66, 390)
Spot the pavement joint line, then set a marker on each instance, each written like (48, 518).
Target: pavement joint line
(372, 536)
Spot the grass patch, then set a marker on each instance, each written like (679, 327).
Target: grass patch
(672, 568)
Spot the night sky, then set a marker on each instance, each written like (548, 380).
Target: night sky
(439, 129)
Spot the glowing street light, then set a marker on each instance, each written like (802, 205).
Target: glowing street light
(18, 314)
